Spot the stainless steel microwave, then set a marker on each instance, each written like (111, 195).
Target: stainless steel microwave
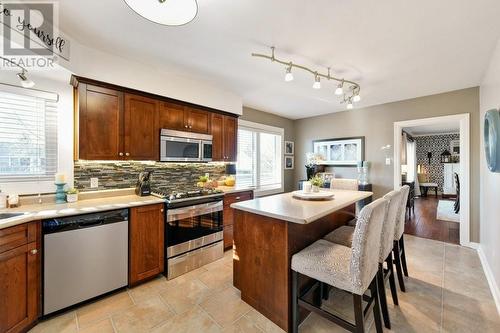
(178, 146)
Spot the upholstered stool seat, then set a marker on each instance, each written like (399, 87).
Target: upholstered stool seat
(342, 236)
(328, 263)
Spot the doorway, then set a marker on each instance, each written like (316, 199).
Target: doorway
(431, 155)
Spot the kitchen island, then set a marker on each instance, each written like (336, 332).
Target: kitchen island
(268, 231)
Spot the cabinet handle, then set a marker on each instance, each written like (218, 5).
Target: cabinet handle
(34, 251)
(190, 126)
(121, 154)
(161, 210)
(185, 126)
(238, 198)
(127, 154)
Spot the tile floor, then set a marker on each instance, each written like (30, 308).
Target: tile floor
(446, 292)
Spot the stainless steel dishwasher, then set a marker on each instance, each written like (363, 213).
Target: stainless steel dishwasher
(84, 256)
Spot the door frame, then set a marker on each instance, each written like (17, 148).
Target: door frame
(464, 120)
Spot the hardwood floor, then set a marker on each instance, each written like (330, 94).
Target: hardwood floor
(424, 223)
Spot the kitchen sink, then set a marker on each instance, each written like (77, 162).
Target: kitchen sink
(9, 215)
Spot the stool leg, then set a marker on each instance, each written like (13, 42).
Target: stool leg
(295, 302)
(358, 313)
(383, 296)
(392, 281)
(397, 262)
(324, 291)
(403, 255)
(376, 308)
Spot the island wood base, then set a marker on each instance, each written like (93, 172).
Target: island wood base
(263, 249)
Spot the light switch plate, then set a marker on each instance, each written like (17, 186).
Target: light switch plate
(94, 182)
(388, 161)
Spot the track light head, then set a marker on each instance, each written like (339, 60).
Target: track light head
(25, 81)
(317, 82)
(289, 75)
(356, 98)
(349, 105)
(340, 89)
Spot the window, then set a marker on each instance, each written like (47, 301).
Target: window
(28, 136)
(260, 157)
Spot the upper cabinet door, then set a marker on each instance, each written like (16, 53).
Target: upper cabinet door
(172, 116)
(100, 123)
(141, 128)
(217, 137)
(198, 120)
(230, 138)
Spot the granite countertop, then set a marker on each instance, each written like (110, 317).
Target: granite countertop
(51, 210)
(285, 207)
(235, 189)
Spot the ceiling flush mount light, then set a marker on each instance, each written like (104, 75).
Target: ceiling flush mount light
(289, 75)
(25, 82)
(352, 87)
(165, 12)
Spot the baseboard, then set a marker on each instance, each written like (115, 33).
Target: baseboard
(489, 276)
(473, 245)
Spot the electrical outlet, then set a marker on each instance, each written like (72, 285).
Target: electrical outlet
(94, 182)
(388, 161)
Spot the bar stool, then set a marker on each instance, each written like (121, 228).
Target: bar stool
(344, 184)
(344, 236)
(351, 269)
(399, 244)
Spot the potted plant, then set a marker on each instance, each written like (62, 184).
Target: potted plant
(312, 164)
(72, 195)
(316, 183)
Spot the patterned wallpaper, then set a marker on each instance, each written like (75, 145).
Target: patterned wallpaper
(117, 175)
(436, 144)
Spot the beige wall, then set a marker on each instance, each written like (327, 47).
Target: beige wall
(376, 124)
(490, 182)
(274, 120)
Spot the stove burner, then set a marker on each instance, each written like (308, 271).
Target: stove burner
(174, 195)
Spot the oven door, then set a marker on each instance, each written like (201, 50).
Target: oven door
(174, 149)
(192, 227)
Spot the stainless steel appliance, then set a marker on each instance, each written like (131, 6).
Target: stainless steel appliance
(178, 146)
(84, 256)
(193, 232)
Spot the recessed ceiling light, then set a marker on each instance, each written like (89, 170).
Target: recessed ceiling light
(166, 12)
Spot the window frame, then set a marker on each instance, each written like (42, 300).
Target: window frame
(262, 128)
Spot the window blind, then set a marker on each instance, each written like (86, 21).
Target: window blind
(28, 137)
(259, 158)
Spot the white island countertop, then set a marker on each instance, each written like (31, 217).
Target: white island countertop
(287, 208)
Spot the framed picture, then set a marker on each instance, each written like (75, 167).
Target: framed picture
(341, 151)
(288, 162)
(289, 147)
(455, 147)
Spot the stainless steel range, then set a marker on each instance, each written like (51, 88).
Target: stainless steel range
(193, 229)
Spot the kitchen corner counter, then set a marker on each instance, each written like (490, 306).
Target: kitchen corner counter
(287, 208)
(52, 210)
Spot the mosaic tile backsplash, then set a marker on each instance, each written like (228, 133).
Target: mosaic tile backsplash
(118, 175)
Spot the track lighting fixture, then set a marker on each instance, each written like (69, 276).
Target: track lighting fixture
(317, 82)
(340, 89)
(352, 87)
(25, 82)
(289, 75)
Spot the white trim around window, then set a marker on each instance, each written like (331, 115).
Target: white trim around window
(267, 129)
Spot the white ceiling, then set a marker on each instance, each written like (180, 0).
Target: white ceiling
(433, 129)
(396, 49)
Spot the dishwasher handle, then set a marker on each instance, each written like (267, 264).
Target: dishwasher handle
(91, 223)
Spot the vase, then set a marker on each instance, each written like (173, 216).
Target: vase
(315, 188)
(72, 197)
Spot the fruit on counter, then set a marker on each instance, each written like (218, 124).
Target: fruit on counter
(230, 181)
(203, 179)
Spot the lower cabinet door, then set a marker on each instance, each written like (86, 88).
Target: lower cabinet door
(146, 257)
(19, 291)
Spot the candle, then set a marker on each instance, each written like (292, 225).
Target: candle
(60, 178)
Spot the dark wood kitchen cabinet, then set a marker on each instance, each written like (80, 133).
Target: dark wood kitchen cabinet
(184, 118)
(146, 243)
(224, 133)
(20, 273)
(141, 128)
(228, 214)
(100, 119)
